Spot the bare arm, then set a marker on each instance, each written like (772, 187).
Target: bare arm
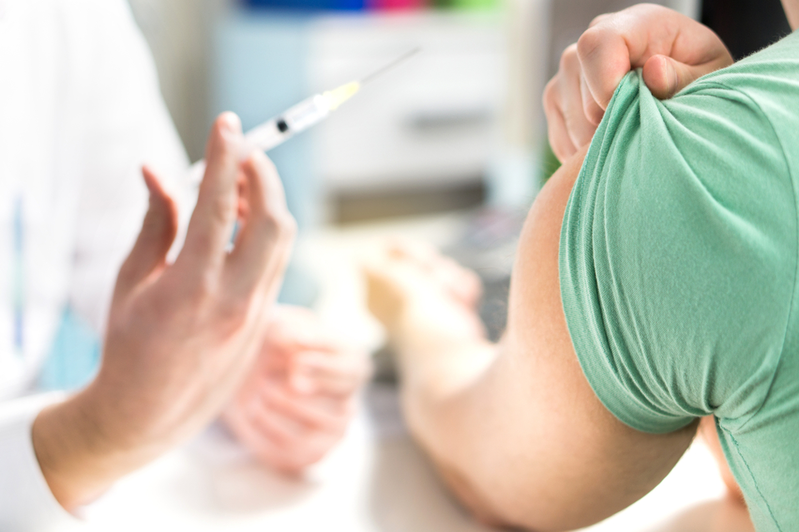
(182, 336)
(516, 429)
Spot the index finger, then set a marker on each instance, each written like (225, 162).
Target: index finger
(263, 245)
(211, 224)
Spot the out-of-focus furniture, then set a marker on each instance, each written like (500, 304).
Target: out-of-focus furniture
(428, 125)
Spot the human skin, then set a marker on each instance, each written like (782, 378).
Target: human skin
(181, 336)
(514, 428)
(792, 12)
(296, 402)
(672, 49)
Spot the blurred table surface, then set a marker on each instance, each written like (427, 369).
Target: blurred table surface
(376, 480)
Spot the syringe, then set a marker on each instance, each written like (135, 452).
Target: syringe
(300, 117)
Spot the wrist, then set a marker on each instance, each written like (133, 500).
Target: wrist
(429, 329)
(60, 443)
(78, 451)
(440, 348)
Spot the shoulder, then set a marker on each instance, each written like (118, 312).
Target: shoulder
(762, 89)
(714, 137)
(680, 240)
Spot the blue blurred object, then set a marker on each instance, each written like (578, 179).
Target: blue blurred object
(74, 357)
(309, 5)
(259, 69)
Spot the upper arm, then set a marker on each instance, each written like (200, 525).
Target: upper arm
(672, 270)
(557, 458)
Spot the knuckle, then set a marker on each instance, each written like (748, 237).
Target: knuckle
(232, 313)
(280, 224)
(590, 42)
(200, 289)
(268, 223)
(221, 210)
(594, 114)
(645, 9)
(559, 147)
(598, 19)
(569, 58)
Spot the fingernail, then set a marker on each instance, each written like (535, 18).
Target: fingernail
(231, 123)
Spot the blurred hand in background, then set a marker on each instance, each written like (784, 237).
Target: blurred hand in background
(672, 49)
(428, 305)
(300, 396)
(412, 287)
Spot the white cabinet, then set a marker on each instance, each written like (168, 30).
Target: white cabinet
(432, 121)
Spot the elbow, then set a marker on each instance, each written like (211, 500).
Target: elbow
(495, 503)
(472, 498)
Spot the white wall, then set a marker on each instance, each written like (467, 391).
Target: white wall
(178, 34)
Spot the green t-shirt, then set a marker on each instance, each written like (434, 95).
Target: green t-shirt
(678, 266)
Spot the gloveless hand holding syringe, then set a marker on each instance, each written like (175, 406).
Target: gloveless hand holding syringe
(300, 117)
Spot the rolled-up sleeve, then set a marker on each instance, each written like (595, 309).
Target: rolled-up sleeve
(26, 502)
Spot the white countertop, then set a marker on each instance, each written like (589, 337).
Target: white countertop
(376, 481)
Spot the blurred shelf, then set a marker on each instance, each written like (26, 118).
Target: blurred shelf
(430, 124)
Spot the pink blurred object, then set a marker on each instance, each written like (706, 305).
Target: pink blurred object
(395, 5)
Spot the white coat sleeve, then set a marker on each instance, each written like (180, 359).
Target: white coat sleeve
(26, 503)
(128, 126)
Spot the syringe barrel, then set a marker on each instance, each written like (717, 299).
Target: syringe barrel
(306, 113)
(294, 120)
(266, 136)
(274, 132)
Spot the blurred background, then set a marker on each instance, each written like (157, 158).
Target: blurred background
(459, 125)
(457, 132)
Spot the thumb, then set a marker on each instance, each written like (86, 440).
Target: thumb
(665, 76)
(155, 238)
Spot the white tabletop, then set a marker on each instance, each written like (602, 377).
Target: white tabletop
(377, 480)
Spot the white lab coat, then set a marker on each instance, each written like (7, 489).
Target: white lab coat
(80, 111)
